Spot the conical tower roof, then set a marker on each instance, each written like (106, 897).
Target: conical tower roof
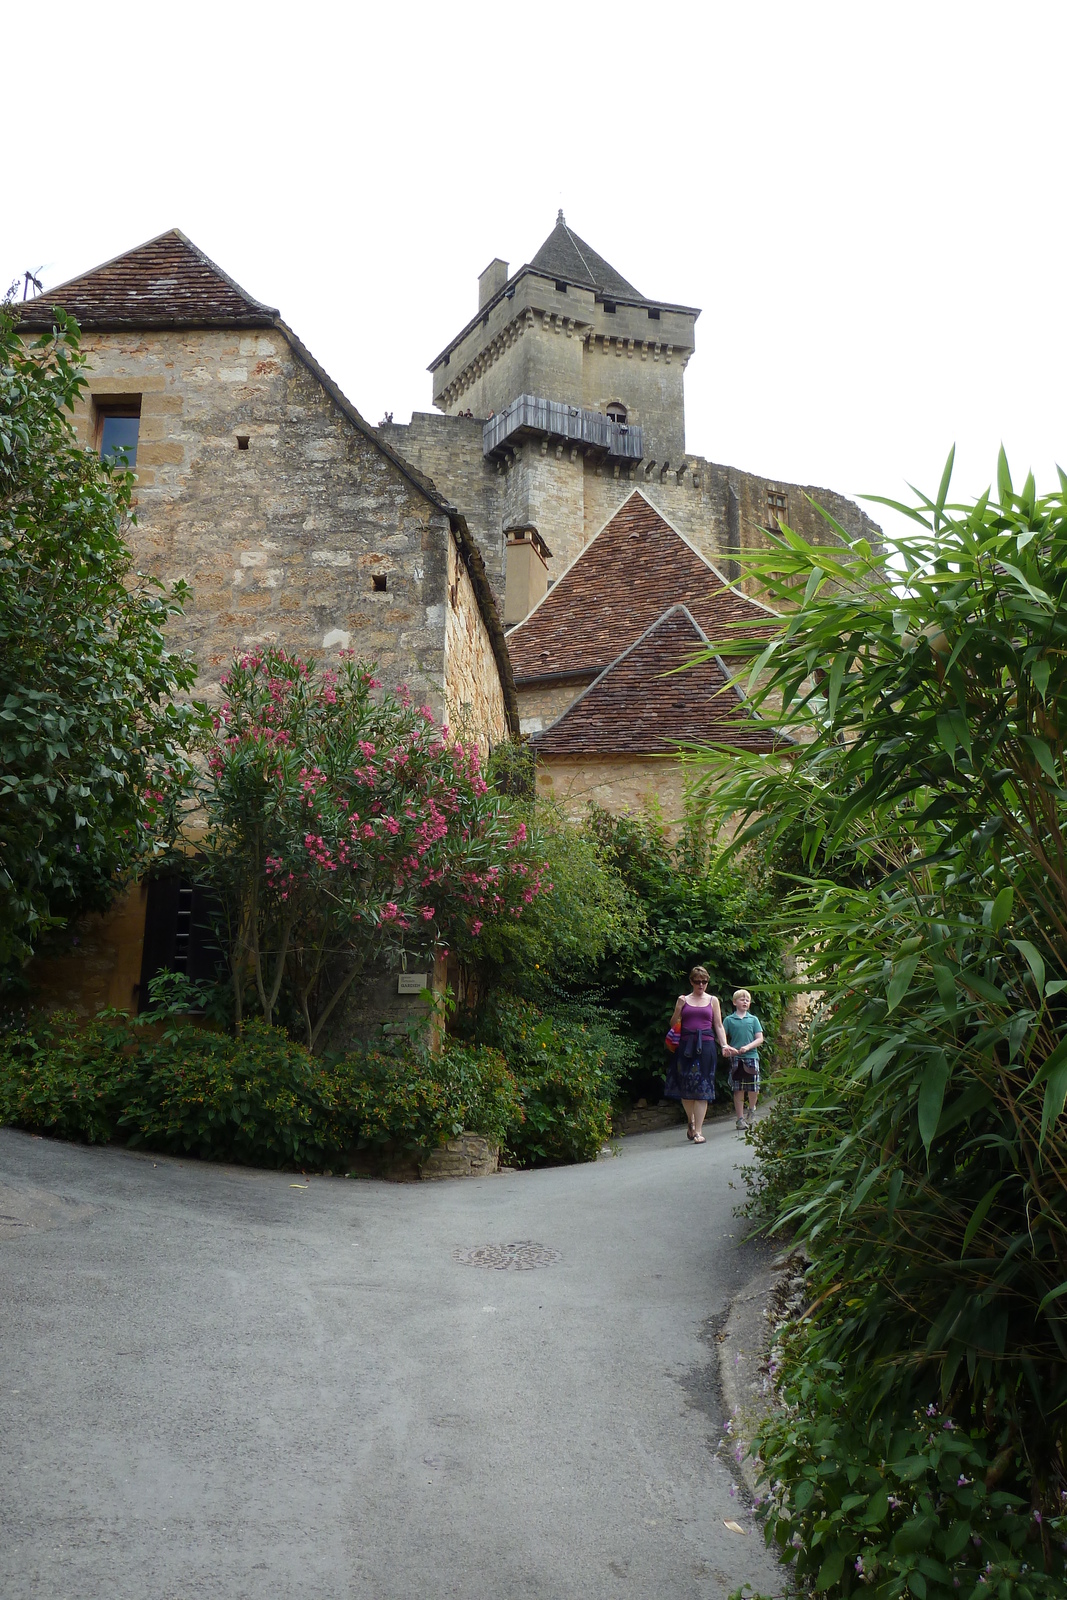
(564, 255)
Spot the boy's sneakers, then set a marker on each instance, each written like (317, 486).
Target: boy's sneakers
(741, 1125)
(750, 1117)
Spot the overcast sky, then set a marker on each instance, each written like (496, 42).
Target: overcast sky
(867, 200)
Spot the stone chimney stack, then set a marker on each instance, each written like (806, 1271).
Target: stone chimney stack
(493, 278)
(526, 572)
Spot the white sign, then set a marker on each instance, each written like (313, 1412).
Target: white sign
(411, 982)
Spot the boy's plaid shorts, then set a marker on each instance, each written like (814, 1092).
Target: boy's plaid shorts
(744, 1074)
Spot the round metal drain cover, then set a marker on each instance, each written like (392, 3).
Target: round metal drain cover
(522, 1256)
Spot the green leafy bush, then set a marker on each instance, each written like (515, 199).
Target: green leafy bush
(66, 1078)
(896, 1505)
(920, 1142)
(566, 1077)
(417, 1100)
(257, 1097)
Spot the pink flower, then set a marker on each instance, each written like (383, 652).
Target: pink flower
(427, 913)
(476, 927)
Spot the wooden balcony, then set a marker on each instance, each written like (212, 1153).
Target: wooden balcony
(527, 418)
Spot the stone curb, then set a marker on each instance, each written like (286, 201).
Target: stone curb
(743, 1344)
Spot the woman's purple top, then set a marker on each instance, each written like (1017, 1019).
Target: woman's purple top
(696, 1018)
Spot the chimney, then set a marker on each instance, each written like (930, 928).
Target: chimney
(525, 573)
(492, 279)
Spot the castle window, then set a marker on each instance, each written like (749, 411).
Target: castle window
(653, 313)
(118, 424)
(778, 506)
(242, 441)
(380, 580)
(485, 320)
(609, 307)
(617, 413)
(561, 288)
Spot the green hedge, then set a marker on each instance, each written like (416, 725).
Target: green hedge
(256, 1098)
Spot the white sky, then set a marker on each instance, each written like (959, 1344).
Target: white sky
(867, 200)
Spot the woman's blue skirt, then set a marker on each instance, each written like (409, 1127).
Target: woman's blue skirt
(691, 1074)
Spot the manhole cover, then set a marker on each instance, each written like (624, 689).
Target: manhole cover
(522, 1256)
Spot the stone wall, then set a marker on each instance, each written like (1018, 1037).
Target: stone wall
(474, 698)
(281, 541)
(542, 703)
(95, 962)
(568, 498)
(623, 785)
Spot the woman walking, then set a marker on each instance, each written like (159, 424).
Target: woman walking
(691, 1075)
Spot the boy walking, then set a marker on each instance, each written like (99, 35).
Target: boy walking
(744, 1035)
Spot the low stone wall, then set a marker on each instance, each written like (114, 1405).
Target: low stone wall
(469, 1156)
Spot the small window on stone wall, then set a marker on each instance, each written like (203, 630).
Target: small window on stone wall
(653, 313)
(778, 506)
(561, 287)
(242, 441)
(609, 307)
(118, 423)
(380, 580)
(617, 412)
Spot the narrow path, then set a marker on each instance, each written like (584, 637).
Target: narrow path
(218, 1383)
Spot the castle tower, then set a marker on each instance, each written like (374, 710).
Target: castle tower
(561, 395)
(574, 371)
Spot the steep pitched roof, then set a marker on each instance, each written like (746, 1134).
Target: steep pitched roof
(626, 576)
(165, 283)
(642, 705)
(564, 255)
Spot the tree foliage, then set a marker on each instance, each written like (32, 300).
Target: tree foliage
(685, 911)
(90, 740)
(922, 1146)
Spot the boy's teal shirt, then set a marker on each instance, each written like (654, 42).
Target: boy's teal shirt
(741, 1030)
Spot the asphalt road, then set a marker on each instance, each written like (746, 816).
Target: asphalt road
(223, 1382)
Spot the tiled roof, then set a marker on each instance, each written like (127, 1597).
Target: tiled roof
(642, 705)
(564, 255)
(623, 580)
(166, 283)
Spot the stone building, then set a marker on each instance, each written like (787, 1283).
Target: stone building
(597, 664)
(294, 523)
(258, 482)
(565, 392)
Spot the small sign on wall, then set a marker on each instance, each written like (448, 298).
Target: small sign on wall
(411, 982)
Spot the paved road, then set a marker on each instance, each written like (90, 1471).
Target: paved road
(219, 1383)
